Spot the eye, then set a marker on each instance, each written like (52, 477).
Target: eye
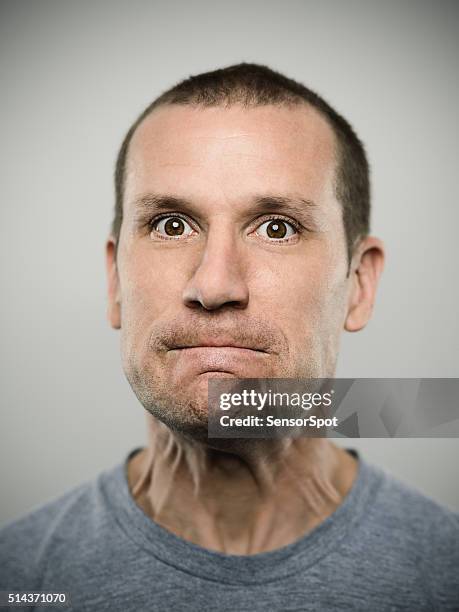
(276, 229)
(172, 227)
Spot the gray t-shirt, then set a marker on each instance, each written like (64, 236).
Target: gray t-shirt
(386, 547)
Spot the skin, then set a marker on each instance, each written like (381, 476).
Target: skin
(226, 299)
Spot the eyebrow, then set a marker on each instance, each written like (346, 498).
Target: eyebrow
(299, 207)
(151, 203)
(303, 209)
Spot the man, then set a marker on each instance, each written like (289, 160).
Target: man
(239, 249)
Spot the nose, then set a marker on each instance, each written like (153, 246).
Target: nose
(218, 280)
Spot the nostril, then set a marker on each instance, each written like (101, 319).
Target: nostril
(213, 301)
(196, 304)
(236, 304)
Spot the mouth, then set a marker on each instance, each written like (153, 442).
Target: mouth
(218, 345)
(230, 358)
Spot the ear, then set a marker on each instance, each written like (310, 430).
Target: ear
(366, 268)
(114, 297)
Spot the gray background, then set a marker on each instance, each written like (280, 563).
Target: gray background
(75, 74)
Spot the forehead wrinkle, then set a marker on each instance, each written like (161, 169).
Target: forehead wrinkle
(221, 137)
(308, 121)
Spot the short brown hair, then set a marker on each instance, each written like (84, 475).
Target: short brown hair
(257, 85)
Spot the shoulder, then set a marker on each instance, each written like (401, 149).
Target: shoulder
(48, 533)
(418, 529)
(403, 504)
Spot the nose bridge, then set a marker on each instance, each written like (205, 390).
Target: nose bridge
(219, 278)
(221, 245)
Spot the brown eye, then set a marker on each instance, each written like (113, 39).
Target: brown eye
(276, 229)
(173, 227)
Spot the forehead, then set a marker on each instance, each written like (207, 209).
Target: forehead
(229, 152)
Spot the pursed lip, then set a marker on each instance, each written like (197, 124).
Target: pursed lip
(219, 344)
(236, 358)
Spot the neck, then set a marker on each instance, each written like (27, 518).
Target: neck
(239, 502)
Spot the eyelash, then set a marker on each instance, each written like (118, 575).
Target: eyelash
(157, 218)
(299, 228)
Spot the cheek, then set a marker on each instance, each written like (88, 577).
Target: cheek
(295, 290)
(152, 280)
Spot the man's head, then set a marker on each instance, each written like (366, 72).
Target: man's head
(239, 246)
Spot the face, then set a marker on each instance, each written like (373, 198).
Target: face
(232, 255)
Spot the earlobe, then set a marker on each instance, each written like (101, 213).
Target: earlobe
(366, 270)
(113, 286)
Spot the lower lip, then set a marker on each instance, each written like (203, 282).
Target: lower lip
(223, 359)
